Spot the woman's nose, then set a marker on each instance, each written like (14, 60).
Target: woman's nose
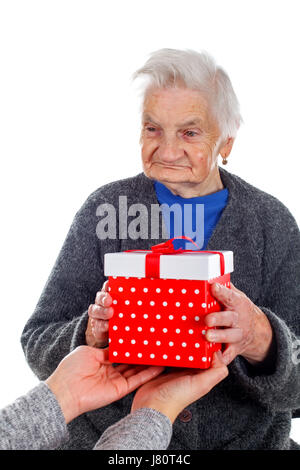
(170, 151)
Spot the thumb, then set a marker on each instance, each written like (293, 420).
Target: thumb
(204, 381)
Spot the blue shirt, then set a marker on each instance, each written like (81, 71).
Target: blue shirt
(194, 217)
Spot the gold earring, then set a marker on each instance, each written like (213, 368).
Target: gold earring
(224, 161)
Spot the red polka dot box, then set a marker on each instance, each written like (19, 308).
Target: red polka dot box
(160, 298)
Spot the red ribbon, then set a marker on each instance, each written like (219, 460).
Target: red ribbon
(152, 268)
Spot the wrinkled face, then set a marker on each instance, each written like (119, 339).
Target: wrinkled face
(178, 136)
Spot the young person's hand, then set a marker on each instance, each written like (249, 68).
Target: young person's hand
(171, 392)
(85, 380)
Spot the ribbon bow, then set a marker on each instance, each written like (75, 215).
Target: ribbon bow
(152, 268)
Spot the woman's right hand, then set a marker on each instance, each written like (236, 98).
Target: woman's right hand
(170, 393)
(99, 313)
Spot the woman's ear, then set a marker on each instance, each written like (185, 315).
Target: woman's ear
(226, 147)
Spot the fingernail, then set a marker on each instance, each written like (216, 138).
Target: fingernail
(211, 336)
(217, 286)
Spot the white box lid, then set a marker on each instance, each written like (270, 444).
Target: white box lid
(198, 265)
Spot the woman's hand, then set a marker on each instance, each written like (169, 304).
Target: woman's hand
(247, 329)
(170, 393)
(99, 313)
(85, 380)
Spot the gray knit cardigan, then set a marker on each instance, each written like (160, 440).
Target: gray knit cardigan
(252, 407)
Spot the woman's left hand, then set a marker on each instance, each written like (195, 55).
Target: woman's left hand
(247, 329)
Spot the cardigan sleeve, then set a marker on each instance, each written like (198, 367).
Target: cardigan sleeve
(33, 422)
(144, 429)
(58, 324)
(276, 382)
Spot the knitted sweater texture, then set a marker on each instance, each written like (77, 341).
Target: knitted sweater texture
(252, 407)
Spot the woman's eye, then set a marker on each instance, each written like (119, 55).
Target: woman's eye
(190, 133)
(150, 129)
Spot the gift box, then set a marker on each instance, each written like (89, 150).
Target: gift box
(160, 298)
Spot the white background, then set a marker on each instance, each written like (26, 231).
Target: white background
(69, 120)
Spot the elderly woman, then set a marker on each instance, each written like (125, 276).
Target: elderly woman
(190, 117)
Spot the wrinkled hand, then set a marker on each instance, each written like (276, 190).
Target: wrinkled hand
(85, 380)
(170, 393)
(99, 313)
(247, 329)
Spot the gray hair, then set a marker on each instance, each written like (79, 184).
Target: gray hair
(197, 71)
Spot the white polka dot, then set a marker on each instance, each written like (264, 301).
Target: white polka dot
(191, 358)
(120, 289)
(114, 277)
(115, 327)
(152, 302)
(109, 340)
(215, 303)
(165, 304)
(183, 291)
(196, 291)
(171, 291)
(165, 356)
(165, 330)
(197, 318)
(177, 330)
(145, 316)
(139, 302)
(126, 277)
(127, 302)
(204, 359)
(158, 343)
(109, 288)
(158, 290)
(171, 317)
(171, 343)
(209, 359)
(133, 315)
(145, 342)
(177, 358)
(158, 317)
(140, 328)
(145, 289)
(183, 317)
(140, 354)
(152, 356)
(204, 305)
(197, 345)
(132, 289)
(127, 328)
(191, 304)
(120, 340)
(203, 332)
(127, 354)
(115, 353)
(133, 341)
(177, 304)
(120, 315)
(152, 329)
(191, 332)
(115, 301)
(183, 345)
